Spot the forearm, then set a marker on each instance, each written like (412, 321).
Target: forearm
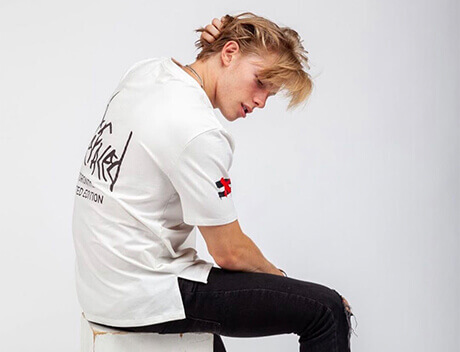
(248, 257)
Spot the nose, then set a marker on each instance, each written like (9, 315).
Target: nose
(260, 100)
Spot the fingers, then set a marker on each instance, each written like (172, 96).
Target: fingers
(212, 31)
(217, 23)
(205, 36)
(213, 28)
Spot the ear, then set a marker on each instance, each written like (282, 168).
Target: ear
(229, 52)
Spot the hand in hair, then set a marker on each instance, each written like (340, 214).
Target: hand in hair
(212, 30)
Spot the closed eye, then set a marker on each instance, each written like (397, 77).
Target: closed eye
(259, 82)
(262, 85)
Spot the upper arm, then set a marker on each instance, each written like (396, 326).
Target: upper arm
(201, 178)
(223, 240)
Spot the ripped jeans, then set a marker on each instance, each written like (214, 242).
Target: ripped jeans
(244, 304)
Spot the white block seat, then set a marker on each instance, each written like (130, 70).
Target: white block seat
(99, 338)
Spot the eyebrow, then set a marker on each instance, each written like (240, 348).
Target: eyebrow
(272, 93)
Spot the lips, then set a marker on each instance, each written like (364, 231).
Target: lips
(243, 114)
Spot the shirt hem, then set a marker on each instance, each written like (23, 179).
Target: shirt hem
(202, 272)
(210, 222)
(133, 322)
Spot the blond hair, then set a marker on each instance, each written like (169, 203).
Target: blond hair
(257, 35)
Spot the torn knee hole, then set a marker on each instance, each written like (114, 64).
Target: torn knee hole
(349, 315)
(347, 305)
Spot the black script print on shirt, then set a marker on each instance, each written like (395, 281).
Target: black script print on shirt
(103, 157)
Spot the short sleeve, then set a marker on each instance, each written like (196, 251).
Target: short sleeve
(201, 178)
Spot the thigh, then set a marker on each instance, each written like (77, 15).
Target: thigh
(243, 304)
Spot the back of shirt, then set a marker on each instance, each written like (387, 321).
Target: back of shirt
(156, 166)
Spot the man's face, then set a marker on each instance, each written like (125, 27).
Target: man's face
(239, 86)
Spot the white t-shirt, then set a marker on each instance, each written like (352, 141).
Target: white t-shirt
(156, 166)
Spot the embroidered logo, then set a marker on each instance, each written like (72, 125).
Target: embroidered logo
(224, 182)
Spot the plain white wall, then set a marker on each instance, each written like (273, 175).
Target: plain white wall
(359, 191)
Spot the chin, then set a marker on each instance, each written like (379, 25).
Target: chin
(229, 116)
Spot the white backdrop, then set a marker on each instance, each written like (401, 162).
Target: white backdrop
(359, 191)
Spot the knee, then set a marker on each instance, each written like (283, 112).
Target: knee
(344, 305)
(336, 313)
(333, 304)
(338, 303)
(334, 301)
(330, 314)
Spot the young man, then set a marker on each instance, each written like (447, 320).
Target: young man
(158, 167)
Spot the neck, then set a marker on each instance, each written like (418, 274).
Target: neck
(205, 71)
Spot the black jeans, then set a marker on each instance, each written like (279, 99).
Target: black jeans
(243, 304)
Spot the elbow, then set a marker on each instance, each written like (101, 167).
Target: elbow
(228, 262)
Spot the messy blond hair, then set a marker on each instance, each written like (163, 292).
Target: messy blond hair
(257, 35)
